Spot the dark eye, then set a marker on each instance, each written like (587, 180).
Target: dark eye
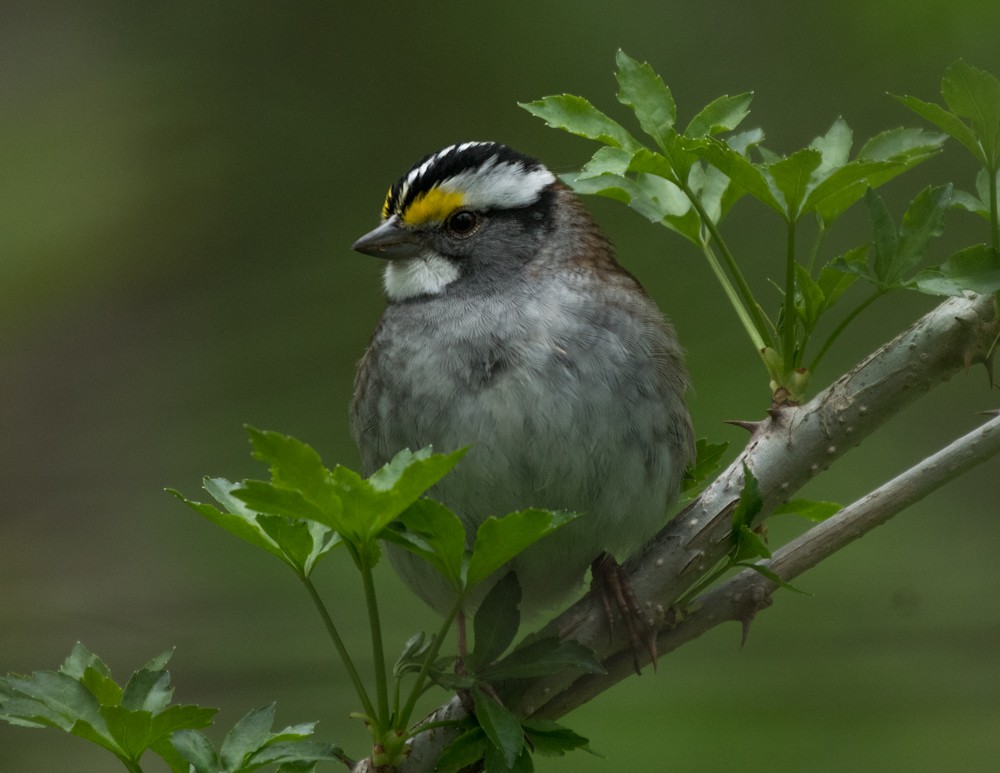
(462, 223)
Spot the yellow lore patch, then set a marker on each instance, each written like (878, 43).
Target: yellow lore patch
(434, 204)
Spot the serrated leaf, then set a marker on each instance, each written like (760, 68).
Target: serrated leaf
(432, 531)
(855, 263)
(464, 751)
(737, 168)
(498, 540)
(195, 748)
(949, 123)
(708, 459)
(304, 543)
(606, 160)
(544, 656)
(370, 505)
(180, 717)
(241, 524)
(975, 94)
(130, 729)
(550, 739)
(834, 147)
(80, 659)
(793, 177)
(809, 298)
(884, 233)
(809, 509)
(148, 690)
(641, 89)
(923, 220)
(769, 574)
(975, 269)
(247, 736)
(577, 116)
(501, 727)
(721, 115)
(901, 144)
(496, 622)
(262, 496)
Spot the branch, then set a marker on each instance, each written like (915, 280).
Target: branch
(785, 451)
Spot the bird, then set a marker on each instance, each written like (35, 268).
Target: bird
(510, 328)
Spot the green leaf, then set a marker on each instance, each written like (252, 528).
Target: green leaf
(195, 748)
(975, 268)
(949, 123)
(834, 147)
(793, 177)
(975, 94)
(901, 144)
(501, 727)
(577, 116)
(884, 232)
(130, 729)
(496, 622)
(266, 497)
(247, 736)
(641, 89)
(539, 657)
(746, 543)
(435, 533)
(148, 690)
(809, 298)
(370, 505)
(708, 459)
(737, 168)
(294, 465)
(463, 752)
(606, 160)
(769, 574)
(833, 283)
(550, 739)
(721, 115)
(808, 509)
(239, 521)
(498, 540)
(855, 263)
(924, 219)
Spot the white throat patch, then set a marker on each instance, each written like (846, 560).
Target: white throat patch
(427, 275)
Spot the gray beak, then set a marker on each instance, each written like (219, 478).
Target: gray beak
(389, 241)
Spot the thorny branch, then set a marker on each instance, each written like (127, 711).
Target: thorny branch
(786, 450)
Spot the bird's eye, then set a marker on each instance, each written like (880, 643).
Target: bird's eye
(462, 223)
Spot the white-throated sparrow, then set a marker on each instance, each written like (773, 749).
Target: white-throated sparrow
(511, 328)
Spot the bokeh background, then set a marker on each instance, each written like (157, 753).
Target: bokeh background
(180, 183)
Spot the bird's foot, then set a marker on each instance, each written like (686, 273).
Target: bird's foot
(616, 593)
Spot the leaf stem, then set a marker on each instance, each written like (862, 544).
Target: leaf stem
(338, 643)
(748, 310)
(432, 653)
(788, 332)
(378, 647)
(844, 323)
(994, 217)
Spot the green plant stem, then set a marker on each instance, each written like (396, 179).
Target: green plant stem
(378, 648)
(788, 334)
(432, 654)
(994, 230)
(994, 217)
(338, 643)
(748, 310)
(844, 323)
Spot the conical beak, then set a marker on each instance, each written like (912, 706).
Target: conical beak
(390, 241)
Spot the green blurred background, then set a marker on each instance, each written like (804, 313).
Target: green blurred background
(180, 184)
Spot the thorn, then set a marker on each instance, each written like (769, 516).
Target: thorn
(749, 426)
